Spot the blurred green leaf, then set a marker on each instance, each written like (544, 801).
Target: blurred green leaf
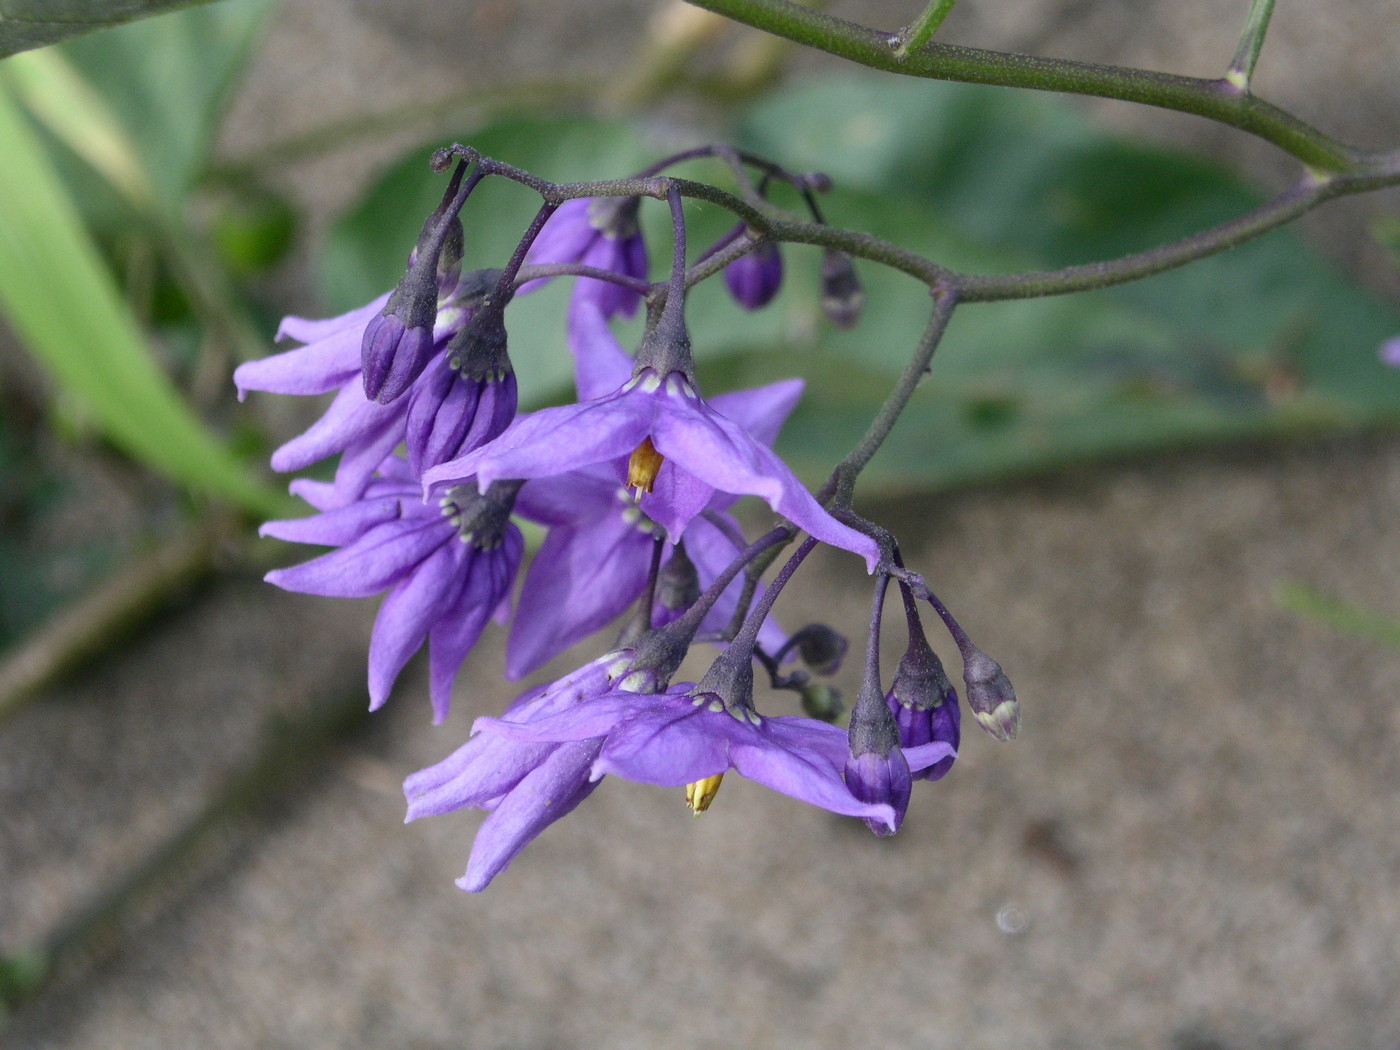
(1266, 339)
(167, 81)
(26, 24)
(64, 306)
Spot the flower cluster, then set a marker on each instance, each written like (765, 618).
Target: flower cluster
(633, 485)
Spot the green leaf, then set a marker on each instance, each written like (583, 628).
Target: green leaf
(66, 309)
(1266, 339)
(167, 81)
(26, 24)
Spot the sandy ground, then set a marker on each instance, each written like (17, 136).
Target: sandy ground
(1195, 845)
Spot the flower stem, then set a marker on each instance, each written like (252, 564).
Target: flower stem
(921, 30)
(1216, 100)
(1251, 41)
(840, 486)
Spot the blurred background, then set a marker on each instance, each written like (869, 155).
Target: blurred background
(1169, 510)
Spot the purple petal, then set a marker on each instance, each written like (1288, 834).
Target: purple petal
(490, 575)
(308, 331)
(719, 452)
(549, 792)
(476, 775)
(580, 581)
(672, 742)
(676, 497)
(351, 418)
(570, 499)
(761, 411)
(338, 527)
(408, 612)
(601, 365)
(1390, 352)
(375, 562)
(554, 440)
(317, 368)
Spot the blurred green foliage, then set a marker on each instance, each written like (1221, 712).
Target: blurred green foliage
(127, 300)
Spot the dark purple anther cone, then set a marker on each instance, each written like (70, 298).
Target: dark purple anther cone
(843, 298)
(754, 279)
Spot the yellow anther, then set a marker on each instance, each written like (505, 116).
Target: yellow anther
(700, 793)
(643, 466)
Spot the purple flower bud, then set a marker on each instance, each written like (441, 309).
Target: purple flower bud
(876, 769)
(874, 779)
(925, 706)
(820, 647)
(754, 279)
(989, 694)
(842, 296)
(392, 356)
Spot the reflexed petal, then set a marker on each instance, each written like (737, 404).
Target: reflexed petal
(549, 792)
(554, 440)
(335, 528)
(417, 602)
(575, 498)
(486, 580)
(670, 743)
(373, 563)
(761, 411)
(309, 331)
(476, 775)
(351, 418)
(601, 365)
(314, 369)
(719, 452)
(580, 581)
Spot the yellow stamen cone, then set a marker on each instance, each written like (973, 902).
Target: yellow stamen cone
(643, 466)
(700, 793)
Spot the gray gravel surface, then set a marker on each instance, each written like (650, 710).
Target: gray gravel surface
(1195, 845)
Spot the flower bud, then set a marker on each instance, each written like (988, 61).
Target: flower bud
(876, 769)
(822, 702)
(925, 706)
(875, 778)
(754, 279)
(678, 584)
(820, 647)
(398, 342)
(989, 694)
(842, 295)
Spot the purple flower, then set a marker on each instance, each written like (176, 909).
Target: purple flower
(593, 563)
(1390, 352)
(446, 569)
(526, 785)
(460, 400)
(681, 737)
(601, 232)
(329, 360)
(754, 279)
(681, 450)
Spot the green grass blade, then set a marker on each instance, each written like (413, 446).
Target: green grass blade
(64, 305)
